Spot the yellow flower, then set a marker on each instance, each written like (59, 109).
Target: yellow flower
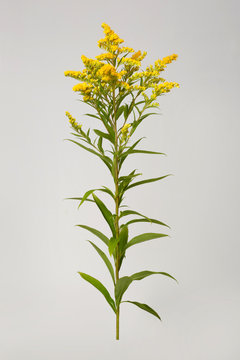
(108, 73)
(91, 63)
(126, 49)
(163, 88)
(136, 55)
(125, 128)
(105, 56)
(76, 74)
(111, 40)
(83, 87)
(73, 122)
(131, 62)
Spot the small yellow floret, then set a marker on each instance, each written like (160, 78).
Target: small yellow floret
(73, 122)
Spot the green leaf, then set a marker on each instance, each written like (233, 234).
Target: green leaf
(131, 212)
(126, 112)
(105, 259)
(144, 237)
(112, 245)
(98, 285)
(120, 288)
(154, 221)
(120, 111)
(140, 102)
(96, 232)
(146, 181)
(145, 152)
(104, 135)
(123, 238)
(105, 159)
(106, 213)
(144, 307)
(142, 274)
(94, 116)
(146, 115)
(108, 191)
(84, 147)
(89, 192)
(124, 155)
(124, 181)
(78, 198)
(85, 196)
(100, 144)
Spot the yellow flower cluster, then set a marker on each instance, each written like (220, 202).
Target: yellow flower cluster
(111, 40)
(169, 59)
(126, 49)
(131, 62)
(125, 128)
(85, 90)
(138, 87)
(108, 73)
(161, 64)
(78, 75)
(126, 86)
(139, 56)
(73, 122)
(111, 68)
(91, 63)
(145, 74)
(105, 56)
(163, 88)
(83, 87)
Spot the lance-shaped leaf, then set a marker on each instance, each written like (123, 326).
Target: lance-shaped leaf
(108, 191)
(131, 212)
(96, 232)
(78, 198)
(107, 161)
(89, 192)
(99, 144)
(146, 152)
(105, 259)
(104, 135)
(137, 122)
(108, 216)
(98, 285)
(154, 221)
(120, 288)
(144, 237)
(146, 181)
(123, 155)
(85, 196)
(112, 245)
(120, 111)
(124, 181)
(94, 116)
(146, 115)
(142, 274)
(144, 307)
(124, 282)
(123, 238)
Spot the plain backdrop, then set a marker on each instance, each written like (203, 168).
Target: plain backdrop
(47, 310)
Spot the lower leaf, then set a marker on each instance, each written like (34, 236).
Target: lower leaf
(144, 307)
(98, 285)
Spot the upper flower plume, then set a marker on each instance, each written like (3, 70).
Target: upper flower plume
(119, 69)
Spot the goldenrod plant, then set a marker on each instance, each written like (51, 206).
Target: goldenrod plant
(121, 93)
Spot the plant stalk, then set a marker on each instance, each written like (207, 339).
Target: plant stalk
(116, 166)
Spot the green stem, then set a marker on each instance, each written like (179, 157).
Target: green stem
(117, 323)
(116, 167)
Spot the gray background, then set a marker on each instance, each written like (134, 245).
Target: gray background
(47, 310)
